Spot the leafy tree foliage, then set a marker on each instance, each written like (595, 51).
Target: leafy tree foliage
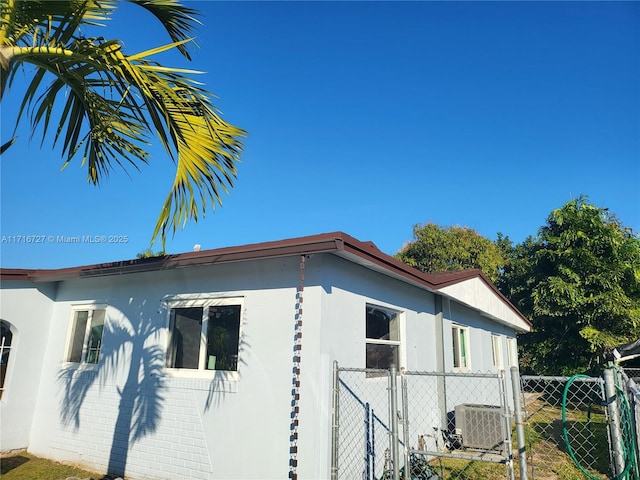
(578, 281)
(438, 249)
(105, 105)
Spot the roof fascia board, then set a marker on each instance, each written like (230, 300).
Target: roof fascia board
(310, 245)
(339, 243)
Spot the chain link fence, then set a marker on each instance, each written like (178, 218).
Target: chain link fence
(566, 423)
(432, 426)
(362, 427)
(420, 425)
(582, 427)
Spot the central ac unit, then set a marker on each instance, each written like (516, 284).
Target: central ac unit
(480, 426)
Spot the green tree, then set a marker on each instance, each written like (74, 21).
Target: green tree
(438, 249)
(105, 105)
(578, 281)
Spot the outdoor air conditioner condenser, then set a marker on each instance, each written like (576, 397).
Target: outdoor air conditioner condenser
(480, 426)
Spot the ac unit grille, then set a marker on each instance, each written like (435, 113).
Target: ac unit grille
(480, 426)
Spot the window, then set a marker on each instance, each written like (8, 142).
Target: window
(383, 337)
(496, 348)
(512, 350)
(204, 335)
(460, 347)
(86, 335)
(6, 336)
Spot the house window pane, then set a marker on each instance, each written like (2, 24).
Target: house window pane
(223, 335)
(496, 348)
(95, 336)
(512, 351)
(460, 347)
(5, 348)
(206, 336)
(381, 356)
(78, 334)
(86, 336)
(186, 331)
(382, 337)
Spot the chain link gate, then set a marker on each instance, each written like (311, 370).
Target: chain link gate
(420, 425)
(585, 420)
(581, 426)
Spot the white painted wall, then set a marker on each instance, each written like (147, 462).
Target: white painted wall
(204, 424)
(223, 425)
(480, 330)
(27, 307)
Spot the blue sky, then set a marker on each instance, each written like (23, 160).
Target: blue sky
(365, 117)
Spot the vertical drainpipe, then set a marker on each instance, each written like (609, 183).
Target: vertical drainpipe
(442, 388)
(295, 383)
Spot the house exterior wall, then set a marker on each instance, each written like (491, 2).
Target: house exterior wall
(27, 307)
(208, 425)
(480, 330)
(183, 436)
(334, 329)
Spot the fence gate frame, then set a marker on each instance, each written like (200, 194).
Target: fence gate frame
(400, 418)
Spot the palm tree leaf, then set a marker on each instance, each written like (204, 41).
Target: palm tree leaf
(155, 51)
(6, 145)
(179, 21)
(55, 21)
(106, 103)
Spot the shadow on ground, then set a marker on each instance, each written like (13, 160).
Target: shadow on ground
(9, 463)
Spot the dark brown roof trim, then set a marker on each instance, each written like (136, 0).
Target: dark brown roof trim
(337, 242)
(18, 274)
(283, 248)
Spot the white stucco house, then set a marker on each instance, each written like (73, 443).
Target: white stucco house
(217, 364)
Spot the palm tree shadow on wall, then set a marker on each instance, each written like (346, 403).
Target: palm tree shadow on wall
(141, 396)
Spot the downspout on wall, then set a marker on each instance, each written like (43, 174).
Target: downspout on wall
(440, 361)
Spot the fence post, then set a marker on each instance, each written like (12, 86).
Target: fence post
(393, 417)
(335, 421)
(614, 421)
(367, 447)
(506, 423)
(405, 424)
(516, 388)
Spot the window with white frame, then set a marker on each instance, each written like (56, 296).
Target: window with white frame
(382, 337)
(6, 337)
(86, 335)
(496, 350)
(512, 351)
(460, 347)
(204, 335)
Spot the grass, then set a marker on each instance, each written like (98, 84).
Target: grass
(24, 466)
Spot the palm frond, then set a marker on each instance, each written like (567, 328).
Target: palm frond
(106, 105)
(6, 145)
(31, 22)
(98, 111)
(179, 21)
